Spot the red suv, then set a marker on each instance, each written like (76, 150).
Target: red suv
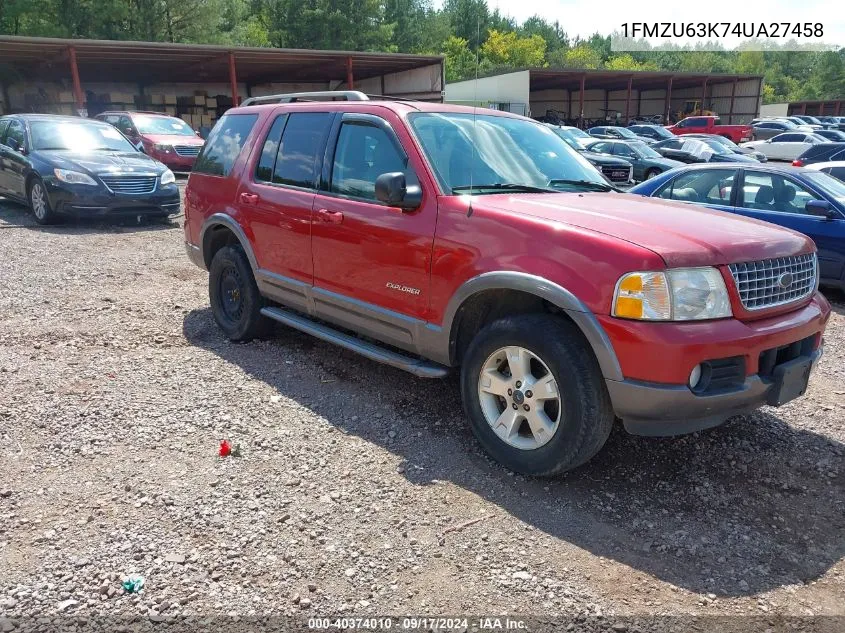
(430, 236)
(167, 139)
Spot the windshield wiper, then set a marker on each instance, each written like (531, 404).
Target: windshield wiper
(506, 186)
(589, 184)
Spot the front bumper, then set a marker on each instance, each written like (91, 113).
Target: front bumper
(656, 359)
(84, 201)
(174, 161)
(664, 410)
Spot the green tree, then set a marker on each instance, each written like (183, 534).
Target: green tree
(460, 61)
(553, 35)
(470, 20)
(508, 49)
(626, 61)
(582, 56)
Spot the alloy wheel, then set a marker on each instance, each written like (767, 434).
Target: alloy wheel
(39, 201)
(519, 397)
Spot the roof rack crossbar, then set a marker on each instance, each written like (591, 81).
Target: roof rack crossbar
(290, 97)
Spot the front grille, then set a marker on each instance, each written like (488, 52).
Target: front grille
(774, 282)
(616, 173)
(130, 184)
(187, 150)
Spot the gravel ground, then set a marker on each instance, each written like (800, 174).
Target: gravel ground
(360, 489)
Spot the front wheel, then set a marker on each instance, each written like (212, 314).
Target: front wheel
(651, 173)
(534, 394)
(40, 203)
(235, 300)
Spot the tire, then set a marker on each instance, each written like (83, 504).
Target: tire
(235, 300)
(581, 416)
(39, 203)
(651, 173)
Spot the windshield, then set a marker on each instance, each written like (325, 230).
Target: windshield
(662, 132)
(827, 183)
(569, 137)
(716, 146)
(465, 149)
(162, 125)
(626, 133)
(810, 119)
(82, 136)
(643, 150)
(577, 132)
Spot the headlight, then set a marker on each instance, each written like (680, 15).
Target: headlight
(683, 294)
(74, 177)
(167, 177)
(162, 147)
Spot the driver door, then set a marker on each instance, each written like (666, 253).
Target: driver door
(372, 262)
(13, 161)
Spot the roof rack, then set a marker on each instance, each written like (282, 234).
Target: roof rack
(290, 97)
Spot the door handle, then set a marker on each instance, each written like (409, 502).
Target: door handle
(334, 217)
(249, 198)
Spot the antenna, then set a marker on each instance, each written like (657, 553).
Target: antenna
(474, 109)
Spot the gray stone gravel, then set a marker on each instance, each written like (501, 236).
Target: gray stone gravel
(116, 388)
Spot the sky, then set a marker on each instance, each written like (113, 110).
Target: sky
(582, 18)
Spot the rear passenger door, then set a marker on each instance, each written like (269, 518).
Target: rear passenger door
(713, 188)
(372, 262)
(277, 198)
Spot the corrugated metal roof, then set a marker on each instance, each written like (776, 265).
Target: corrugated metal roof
(570, 78)
(161, 62)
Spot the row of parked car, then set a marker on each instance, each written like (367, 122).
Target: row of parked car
(429, 237)
(121, 163)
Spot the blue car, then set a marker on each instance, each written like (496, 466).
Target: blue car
(807, 201)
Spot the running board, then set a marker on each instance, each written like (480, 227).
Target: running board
(416, 366)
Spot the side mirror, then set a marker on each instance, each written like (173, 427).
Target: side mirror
(392, 189)
(820, 208)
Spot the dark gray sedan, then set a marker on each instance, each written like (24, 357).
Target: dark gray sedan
(647, 163)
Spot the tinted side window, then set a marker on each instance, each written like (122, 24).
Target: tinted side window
(602, 148)
(363, 154)
(770, 192)
(267, 160)
(16, 132)
(621, 149)
(3, 126)
(302, 142)
(220, 151)
(698, 123)
(710, 186)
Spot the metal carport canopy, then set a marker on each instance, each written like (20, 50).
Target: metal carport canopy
(160, 62)
(547, 78)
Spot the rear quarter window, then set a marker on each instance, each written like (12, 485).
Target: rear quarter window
(224, 144)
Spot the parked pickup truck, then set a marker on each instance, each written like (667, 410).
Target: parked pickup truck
(430, 236)
(711, 125)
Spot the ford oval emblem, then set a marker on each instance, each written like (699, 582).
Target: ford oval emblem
(785, 280)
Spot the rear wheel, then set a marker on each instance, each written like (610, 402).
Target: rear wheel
(40, 203)
(235, 300)
(534, 394)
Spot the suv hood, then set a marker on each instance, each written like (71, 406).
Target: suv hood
(102, 163)
(682, 234)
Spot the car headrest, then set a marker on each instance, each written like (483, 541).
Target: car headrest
(765, 195)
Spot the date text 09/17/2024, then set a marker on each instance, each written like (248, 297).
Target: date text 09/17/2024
(420, 623)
